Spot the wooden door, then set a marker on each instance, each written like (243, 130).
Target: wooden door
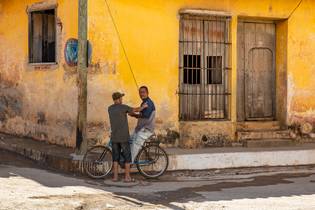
(259, 70)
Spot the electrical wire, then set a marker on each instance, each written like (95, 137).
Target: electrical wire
(121, 43)
(124, 49)
(297, 6)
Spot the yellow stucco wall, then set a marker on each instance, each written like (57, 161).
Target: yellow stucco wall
(30, 91)
(301, 68)
(149, 30)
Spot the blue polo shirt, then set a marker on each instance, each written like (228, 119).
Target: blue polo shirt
(146, 113)
(147, 116)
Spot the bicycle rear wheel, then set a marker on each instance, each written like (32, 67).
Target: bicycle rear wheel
(152, 161)
(97, 162)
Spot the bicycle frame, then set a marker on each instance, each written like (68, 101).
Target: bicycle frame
(149, 160)
(102, 156)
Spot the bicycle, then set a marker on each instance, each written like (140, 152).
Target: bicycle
(152, 161)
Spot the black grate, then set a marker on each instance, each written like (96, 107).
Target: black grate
(192, 69)
(204, 90)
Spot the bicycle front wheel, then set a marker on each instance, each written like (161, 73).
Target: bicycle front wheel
(97, 162)
(152, 161)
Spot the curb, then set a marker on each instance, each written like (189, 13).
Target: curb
(59, 157)
(62, 163)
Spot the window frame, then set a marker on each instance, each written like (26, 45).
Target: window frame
(38, 8)
(204, 107)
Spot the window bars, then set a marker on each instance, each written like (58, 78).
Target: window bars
(204, 49)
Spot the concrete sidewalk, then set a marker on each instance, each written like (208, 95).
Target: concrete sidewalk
(58, 157)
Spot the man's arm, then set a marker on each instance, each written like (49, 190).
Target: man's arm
(133, 111)
(148, 111)
(139, 109)
(135, 115)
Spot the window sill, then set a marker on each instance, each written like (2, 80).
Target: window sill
(204, 12)
(43, 66)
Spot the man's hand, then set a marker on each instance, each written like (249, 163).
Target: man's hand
(144, 106)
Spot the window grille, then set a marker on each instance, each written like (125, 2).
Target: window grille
(204, 90)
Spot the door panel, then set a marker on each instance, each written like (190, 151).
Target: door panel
(259, 82)
(214, 55)
(191, 61)
(259, 96)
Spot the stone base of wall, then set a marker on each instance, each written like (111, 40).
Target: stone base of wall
(206, 134)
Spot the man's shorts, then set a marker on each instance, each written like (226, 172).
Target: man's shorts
(119, 149)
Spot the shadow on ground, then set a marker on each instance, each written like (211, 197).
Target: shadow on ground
(166, 192)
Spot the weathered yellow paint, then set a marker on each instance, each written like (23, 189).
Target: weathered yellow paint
(149, 30)
(301, 68)
(281, 71)
(47, 91)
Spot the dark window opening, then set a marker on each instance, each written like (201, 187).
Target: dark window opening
(42, 37)
(192, 69)
(214, 69)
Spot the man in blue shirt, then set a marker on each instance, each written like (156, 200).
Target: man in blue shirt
(145, 119)
(146, 122)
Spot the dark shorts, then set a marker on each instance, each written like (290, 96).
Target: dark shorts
(123, 149)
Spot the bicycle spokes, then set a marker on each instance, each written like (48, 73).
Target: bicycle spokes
(152, 161)
(97, 162)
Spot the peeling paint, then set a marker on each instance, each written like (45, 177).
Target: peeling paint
(10, 104)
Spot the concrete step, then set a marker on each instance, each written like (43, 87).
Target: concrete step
(258, 126)
(242, 157)
(270, 143)
(256, 135)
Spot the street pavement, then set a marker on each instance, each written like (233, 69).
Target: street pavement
(24, 185)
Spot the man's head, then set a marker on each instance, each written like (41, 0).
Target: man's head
(117, 97)
(143, 92)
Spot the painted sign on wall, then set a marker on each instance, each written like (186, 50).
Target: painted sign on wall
(71, 52)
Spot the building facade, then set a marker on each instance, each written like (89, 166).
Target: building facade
(218, 71)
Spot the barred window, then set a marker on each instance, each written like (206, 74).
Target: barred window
(192, 69)
(204, 90)
(214, 69)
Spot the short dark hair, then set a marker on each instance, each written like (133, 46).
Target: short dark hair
(144, 87)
